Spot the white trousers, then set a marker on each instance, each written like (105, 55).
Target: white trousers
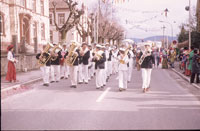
(73, 74)
(91, 71)
(85, 73)
(115, 67)
(146, 77)
(109, 68)
(55, 70)
(64, 71)
(45, 73)
(99, 80)
(130, 69)
(104, 76)
(122, 79)
(80, 73)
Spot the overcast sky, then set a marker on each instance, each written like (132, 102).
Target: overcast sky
(143, 16)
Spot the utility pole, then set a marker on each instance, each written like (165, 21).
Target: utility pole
(189, 25)
(163, 27)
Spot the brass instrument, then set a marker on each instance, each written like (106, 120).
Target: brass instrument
(72, 55)
(144, 55)
(43, 59)
(97, 55)
(56, 49)
(126, 52)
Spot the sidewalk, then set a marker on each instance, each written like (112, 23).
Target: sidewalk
(180, 73)
(24, 78)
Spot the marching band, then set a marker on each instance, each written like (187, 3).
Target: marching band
(83, 62)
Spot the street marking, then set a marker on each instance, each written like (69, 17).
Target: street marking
(102, 95)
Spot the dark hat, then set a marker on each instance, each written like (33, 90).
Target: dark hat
(10, 47)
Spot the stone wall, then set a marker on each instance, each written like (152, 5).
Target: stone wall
(28, 61)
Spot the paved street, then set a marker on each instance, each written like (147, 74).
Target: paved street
(171, 103)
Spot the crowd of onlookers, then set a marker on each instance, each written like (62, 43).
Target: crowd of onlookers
(189, 62)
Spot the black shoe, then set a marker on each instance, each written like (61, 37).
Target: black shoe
(120, 89)
(45, 84)
(80, 83)
(57, 81)
(86, 82)
(62, 77)
(97, 88)
(104, 85)
(74, 86)
(52, 81)
(66, 77)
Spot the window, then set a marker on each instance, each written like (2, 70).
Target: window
(2, 28)
(42, 6)
(51, 36)
(59, 36)
(23, 3)
(50, 19)
(34, 30)
(34, 5)
(42, 31)
(61, 19)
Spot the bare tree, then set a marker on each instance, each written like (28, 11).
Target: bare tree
(72, 20)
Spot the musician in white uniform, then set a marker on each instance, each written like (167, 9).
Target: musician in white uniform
(105, 70)
(64, 67)
(90, 64)
(99, 59)
(74, 67)
(45, 69)
(146, 67)
(115, 61)
(130, 64)
(85, 54)
(55, 66)
(123, 67)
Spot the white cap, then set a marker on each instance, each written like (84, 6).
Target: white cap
(98, 46)
(121, 49)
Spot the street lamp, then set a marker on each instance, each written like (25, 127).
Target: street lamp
(169, 24)
(187, 8)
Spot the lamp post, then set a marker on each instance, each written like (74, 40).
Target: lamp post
(170, 25)
(187, 8)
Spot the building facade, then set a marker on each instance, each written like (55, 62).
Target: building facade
(62, 13)
(24, 23)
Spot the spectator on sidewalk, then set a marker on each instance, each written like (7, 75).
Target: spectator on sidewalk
(11, 73)
(189, 69)
(195, 67)
(164, 61)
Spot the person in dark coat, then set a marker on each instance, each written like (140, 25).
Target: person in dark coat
(146, 68)
(195, 67)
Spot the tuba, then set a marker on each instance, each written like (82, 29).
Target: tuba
(44, 58)
(56, 49)
(126, 53)
(71, 57)
(144, 55)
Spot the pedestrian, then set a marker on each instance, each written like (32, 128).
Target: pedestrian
(146, 68)
(164, 59)
(99, 59)
(123, 68)
(11, 73)
(189, 69)
(45, 67)
(195, 67)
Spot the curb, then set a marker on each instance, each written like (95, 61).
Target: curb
(13, 89)
(185, 78)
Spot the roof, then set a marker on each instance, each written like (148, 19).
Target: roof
(60, 4)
